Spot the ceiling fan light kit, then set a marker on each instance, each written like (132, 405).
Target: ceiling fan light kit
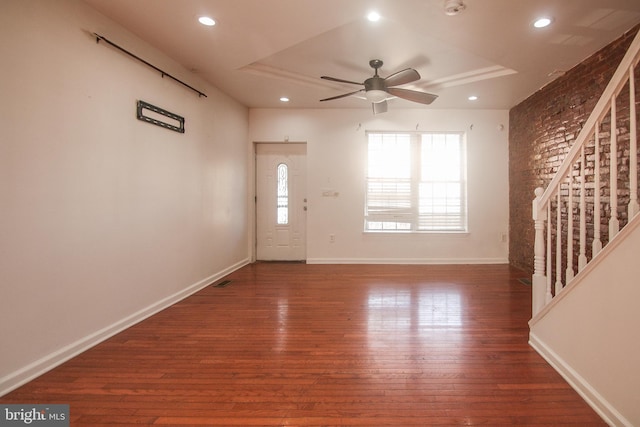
(375, 95)
(378, 89)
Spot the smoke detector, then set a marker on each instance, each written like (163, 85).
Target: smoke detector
(453, 7)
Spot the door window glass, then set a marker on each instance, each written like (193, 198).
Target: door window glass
(283, 195)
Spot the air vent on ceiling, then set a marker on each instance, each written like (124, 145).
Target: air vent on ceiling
(453, 7)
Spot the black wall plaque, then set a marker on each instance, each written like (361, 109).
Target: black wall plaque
(177, 125)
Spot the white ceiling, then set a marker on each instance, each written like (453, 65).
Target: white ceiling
(261, 50)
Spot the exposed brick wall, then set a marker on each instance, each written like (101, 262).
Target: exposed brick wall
(542, 129)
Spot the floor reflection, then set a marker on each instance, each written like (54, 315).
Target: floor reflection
(406, 314)
(389, 310)
(283, 327)
(439, 308)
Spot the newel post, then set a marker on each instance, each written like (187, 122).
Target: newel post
(539, 279)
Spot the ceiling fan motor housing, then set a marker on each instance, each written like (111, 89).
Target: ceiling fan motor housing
(375, 83)
(375, 89)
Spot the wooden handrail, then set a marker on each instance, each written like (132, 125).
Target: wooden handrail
(601, 109)
(543, 292)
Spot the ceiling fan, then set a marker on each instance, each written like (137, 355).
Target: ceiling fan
(378, 89)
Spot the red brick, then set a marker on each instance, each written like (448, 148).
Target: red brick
(541, 131)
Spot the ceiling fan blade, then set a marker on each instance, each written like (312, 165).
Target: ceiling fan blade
(412, 95)
(379, 107)
(341, 96)
(402, 77)
(333, 79)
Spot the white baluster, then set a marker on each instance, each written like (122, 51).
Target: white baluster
(582, 258)
(596, 245)
(614, 224)
(634, 208)
(569, 273)
(558, 245)
(539, 280)
(548, 296)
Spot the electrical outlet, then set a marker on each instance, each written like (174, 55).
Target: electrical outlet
(332, 238)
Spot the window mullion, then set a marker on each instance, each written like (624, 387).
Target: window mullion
(415, 181)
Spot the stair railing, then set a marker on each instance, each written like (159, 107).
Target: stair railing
(579, 188)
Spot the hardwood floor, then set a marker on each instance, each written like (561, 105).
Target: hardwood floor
(296, 344)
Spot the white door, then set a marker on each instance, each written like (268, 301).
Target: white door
(281, 203)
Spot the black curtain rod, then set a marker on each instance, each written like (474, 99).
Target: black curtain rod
(163, 73)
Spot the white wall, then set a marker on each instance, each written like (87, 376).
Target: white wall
(591, 334)
(336, 156)
(104, 219)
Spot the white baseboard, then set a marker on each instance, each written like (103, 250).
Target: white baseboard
(594, 399)
(408, 261)
(33, 370)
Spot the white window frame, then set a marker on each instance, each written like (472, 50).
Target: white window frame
(403, 212)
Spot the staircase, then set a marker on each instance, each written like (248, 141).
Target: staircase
(578, 203)
(586, 285)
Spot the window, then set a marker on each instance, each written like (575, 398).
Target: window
(416, 182)
(282, 204)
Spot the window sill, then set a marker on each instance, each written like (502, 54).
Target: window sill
(435, 232)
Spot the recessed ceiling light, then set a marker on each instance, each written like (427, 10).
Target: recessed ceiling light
(284, 99)
(473, 98)
(205, 20)
(542, 22)
(373, 16)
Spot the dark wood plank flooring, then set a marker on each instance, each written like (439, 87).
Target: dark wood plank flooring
(294, 344)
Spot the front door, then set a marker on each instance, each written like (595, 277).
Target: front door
(281, 202)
